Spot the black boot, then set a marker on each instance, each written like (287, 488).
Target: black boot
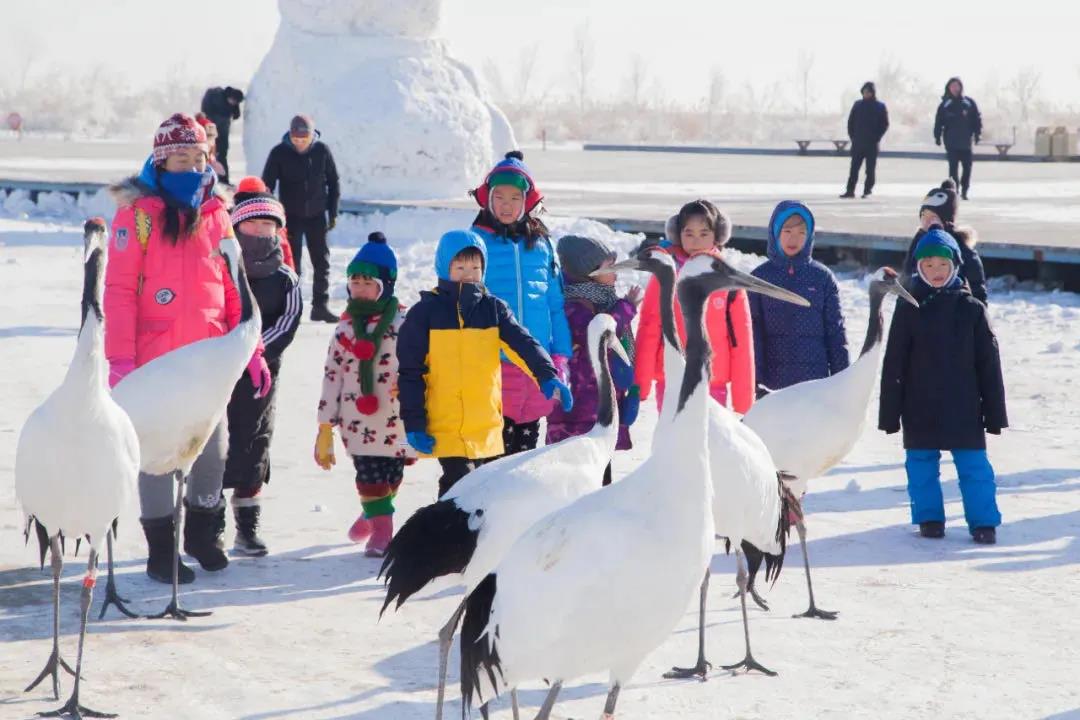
(932, 529)
(247, 540)
(204, 536)
(321, 313)
(159, 541)
(984, 535)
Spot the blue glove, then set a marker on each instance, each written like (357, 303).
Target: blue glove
(421, 441)
(628, 408)
(555, 385)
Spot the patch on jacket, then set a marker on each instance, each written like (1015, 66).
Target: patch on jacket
(120, 242)
(164, 296)
(143, 226)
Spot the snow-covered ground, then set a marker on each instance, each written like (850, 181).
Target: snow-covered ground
(927, 628)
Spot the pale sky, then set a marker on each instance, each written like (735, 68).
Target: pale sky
(139, 41)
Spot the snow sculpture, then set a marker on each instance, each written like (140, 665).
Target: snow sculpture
(403, 118)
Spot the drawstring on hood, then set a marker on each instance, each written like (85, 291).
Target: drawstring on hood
(785, 210)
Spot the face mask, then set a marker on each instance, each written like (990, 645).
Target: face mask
(188, 188)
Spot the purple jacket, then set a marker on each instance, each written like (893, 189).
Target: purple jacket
(580, 420)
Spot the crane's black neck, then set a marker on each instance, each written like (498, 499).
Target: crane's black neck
(92, 272)
(875, 327)
(665, 278)
(605, 415)
(692, 297)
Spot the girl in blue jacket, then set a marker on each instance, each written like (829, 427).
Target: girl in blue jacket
(523, 271)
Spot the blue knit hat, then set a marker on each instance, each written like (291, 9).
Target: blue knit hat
(375, 260)
(938, 243)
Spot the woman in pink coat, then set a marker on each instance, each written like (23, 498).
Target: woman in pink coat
(167, 285)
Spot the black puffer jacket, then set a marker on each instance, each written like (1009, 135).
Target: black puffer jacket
(941, 378)
(309, 180)
(215, 103)
(958, 120)
(867, 123)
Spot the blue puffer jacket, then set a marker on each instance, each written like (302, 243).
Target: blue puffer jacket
(793, 344)
(530, 282)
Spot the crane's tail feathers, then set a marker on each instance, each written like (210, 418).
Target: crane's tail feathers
(434, 542)
(43, 540)
(789, 506)
(480, 663)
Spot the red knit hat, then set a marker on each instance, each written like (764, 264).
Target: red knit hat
(178, 132)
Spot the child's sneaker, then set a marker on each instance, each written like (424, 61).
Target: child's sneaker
(380, 538)
(360, 529)
(932, 529)
(984, 535)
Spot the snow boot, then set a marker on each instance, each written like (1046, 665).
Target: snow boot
(380, 537)
(984, 535)
(246, 514)
(321, 313)
(204, 532)
(361, 529)
(932, 529)
(160, 541)
(847, 196)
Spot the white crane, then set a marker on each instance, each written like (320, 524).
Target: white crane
(750, 503)
(811, 426)
(600, 583)
(77, 462)
(467, 531)
(177, 399)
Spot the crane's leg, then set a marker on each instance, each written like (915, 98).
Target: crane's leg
(514, 704)
(111, 596)
(72, 706)
(549, 702)
(748, 662)
(701, 669)
(609, 706)
(55, 662)
(173, 609)
(446, 639)
(813, 611)
(753, 561)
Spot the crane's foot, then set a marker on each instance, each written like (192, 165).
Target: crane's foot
(753, 593)
(176, 612)
(750, 664)
(701, 671)
(52, 668)
(813, 612)
(73, 709)
(113, 598)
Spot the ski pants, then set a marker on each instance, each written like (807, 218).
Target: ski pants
(977, 487)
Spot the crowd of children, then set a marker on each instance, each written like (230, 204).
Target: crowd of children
(466, 373)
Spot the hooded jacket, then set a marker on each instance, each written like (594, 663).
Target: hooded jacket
(448, 353)
(958, 119)
(309, 179)
(793, 344)
(941, 378)
(971, 267)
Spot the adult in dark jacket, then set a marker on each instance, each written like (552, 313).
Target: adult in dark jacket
(939, 208)
(958, 121)
(310, 192)
(257, 218)
(792, 345)
(222, 106)
(867, 123)
(941, 381)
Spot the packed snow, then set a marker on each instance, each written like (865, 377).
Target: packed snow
(926, 628)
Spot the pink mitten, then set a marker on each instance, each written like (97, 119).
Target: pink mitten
(562, 367)
(259, 372)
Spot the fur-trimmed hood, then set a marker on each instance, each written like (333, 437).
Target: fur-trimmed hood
(965, 236)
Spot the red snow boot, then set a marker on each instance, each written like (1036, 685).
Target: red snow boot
(360, 529)
(380, 538)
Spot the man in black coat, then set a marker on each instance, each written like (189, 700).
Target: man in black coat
(958, 121)
(310, 193)
(222, 106)
(867, 123)
(941, 379)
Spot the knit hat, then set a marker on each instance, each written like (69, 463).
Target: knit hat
(511, 170)
(941, 201)
(178, 132)
(302, 125)
(580, 255)
(254, 200)
(207, 123)
(938, 243)
(375, 260)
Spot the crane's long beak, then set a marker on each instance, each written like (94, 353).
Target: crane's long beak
(739, 279)
(617, 348)
(897, 289)
(622, 266)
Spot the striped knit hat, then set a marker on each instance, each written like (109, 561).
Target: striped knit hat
(178, 132)
(254, 200)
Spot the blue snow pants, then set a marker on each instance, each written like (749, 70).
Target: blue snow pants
(977, 487)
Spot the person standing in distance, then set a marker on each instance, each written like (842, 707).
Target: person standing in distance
(222, 106)
(958, 121)
(867, 123)
(310, 192)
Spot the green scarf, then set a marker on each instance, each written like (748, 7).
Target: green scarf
(361, 311)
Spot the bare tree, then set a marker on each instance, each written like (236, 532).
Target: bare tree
(582, 58)
(494, 78)
(526, 71)
(1024, 88)
(805, 65)
(636, 81)
(715, 99)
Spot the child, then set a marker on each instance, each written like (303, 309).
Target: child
(941, 379)
(700, 228)
(211, 142)
(795, 344)
(939, 207)
(258, 219)
(359, 393)
(585, 298)
(449, 362)
(169, 224)
(523, 272)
